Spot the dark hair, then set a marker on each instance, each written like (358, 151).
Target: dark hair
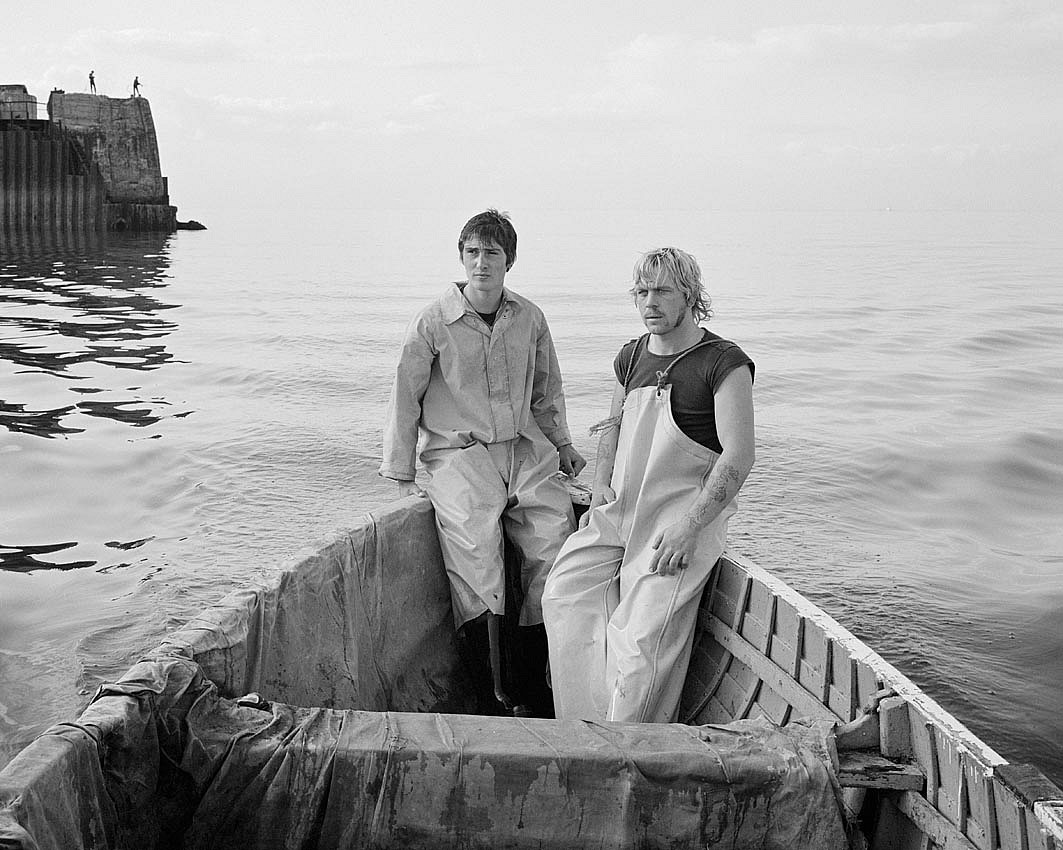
(491, 226)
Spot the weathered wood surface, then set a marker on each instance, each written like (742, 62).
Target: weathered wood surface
(764, 650)
(869, 769)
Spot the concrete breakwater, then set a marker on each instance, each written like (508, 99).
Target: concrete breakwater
(92, 165)
(46, 182)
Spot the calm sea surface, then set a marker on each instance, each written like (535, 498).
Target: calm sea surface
(179, 415)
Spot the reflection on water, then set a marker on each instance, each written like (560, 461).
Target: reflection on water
(23, 559)
(80, 315)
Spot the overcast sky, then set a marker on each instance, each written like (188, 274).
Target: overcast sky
(766, 105)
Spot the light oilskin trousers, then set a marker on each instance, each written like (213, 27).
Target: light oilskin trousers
(620, 636)
(478, 490)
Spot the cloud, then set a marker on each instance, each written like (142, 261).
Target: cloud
(819, 42)
(983, 44)
(266, 106)
(952, 154)
(175, 45)
(282, 119)
(392, 127)
(435, 65)
(313, 59)
(327, 127)
(854, 72)
(645, 47)
(428, 103)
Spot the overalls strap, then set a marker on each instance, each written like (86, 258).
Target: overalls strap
(662, 376)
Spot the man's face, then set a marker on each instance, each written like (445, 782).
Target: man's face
(485, 264)
(662, 305)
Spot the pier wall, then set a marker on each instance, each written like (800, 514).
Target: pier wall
(94, 165)
(46, 181)
(17, 102)
(119, 135)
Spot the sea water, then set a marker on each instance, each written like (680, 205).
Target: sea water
(182, 414)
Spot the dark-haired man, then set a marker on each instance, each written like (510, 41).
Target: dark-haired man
(478, 380)
(622, 599)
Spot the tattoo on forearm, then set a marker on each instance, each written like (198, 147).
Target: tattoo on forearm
(726, 476)
(726, 479)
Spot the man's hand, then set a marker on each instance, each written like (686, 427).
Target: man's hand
(600, 496)
(410, 488)
(570, 461)
(674, 548)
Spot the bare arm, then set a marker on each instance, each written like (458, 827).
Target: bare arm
(605, 458)
(734, 425)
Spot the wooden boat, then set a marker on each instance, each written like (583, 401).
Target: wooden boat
(324, 708)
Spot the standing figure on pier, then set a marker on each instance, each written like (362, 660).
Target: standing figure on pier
(136, 86)
(92, 81)
(478, 382)
(621, 601)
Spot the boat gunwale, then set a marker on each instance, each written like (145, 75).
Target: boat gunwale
(889, 675)
(982, 774)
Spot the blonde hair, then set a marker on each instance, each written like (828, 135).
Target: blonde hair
(681, 269)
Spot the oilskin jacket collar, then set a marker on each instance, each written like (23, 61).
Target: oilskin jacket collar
(455, 305)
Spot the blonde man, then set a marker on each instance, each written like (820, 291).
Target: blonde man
(621, 602)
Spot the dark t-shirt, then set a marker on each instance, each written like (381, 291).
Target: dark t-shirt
(694, 379)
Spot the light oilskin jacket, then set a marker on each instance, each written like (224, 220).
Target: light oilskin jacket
(488, 404)
(460, 381)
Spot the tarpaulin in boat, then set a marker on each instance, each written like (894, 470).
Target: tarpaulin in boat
(277, 776)
(362, 622)
(167, 757)
(298, 778)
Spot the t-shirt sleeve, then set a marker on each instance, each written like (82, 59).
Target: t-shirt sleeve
(622, 361)
(727, 362)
